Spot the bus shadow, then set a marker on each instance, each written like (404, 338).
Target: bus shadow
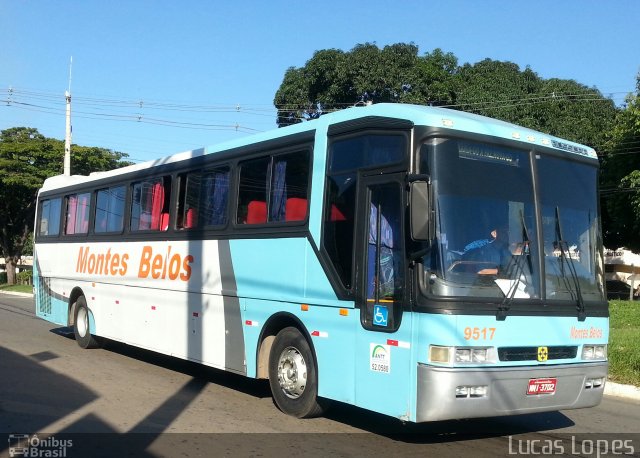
(34, 396)
(256, 388)
(356, 417)
(447, 430)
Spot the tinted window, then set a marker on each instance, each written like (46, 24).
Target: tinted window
(204, 199)
(274, 189)
(366, 151)
(289, 181)
(110, 209)
(346, 157)
(150, 205)
(50, 217)
(252, 194)
(77, 214)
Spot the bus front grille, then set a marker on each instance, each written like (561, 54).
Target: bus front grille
(531, 353)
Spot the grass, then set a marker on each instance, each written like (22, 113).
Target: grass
(624, 338)
(17, 288)
(624, 342)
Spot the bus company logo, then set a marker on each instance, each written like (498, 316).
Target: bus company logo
(543, 354)
(32, 446)
(380, 358)
(586, 333)
(159, 265)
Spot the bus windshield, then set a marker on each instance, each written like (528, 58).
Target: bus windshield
(570, 230)
(487, 243)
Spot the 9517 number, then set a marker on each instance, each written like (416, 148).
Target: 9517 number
(479, 333)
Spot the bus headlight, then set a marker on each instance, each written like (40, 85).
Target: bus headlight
(439, 354)
(461, 355)
(472, 355)
(594, 352)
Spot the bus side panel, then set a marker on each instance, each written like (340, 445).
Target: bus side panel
(385, 365)
(50, 304)
(177, 298)
(288, 273)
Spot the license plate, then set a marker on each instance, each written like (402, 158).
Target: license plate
(542, 386)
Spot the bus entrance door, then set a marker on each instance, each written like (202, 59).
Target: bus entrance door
(384, 353)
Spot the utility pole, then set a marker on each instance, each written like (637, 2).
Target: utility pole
(67, 137)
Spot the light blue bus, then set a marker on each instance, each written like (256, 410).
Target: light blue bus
(424, 263)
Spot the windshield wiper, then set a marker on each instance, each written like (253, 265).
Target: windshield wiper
(564, 257)
(517, 272)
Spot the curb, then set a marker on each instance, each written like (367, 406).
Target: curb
(622, 391)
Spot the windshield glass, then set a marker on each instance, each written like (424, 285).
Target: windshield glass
(570, 229)
(486, 240)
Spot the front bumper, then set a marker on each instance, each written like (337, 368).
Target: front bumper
(507, 390)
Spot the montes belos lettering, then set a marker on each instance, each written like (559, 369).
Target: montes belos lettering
(158, 265)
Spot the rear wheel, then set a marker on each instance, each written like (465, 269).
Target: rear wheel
(293, 375)
(81, 327)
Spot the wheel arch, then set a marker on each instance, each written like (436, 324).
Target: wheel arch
(271, 328)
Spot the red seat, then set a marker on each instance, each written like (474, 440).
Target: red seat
(296, 209)
(190, 219)
(257, 212)
(164, 221)
(336, 214)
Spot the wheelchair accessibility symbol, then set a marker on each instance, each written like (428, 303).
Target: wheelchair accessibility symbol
(380, 315)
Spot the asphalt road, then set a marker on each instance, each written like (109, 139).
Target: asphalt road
(123, 401)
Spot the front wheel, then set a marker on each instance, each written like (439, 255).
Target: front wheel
(293, 375)
(81, 328)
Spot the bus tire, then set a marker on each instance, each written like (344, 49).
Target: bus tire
(293, 375)
(81, 328)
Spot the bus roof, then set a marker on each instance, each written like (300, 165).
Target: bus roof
(419, 115)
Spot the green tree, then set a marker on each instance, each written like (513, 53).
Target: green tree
(621, 177)
(333, 79)
(564, 108)
(27, 158)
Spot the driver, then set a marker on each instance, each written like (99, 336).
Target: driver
(494, 251)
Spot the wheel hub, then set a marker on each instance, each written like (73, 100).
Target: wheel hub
(292, 372)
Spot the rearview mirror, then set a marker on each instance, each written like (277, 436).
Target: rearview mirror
(420, 208)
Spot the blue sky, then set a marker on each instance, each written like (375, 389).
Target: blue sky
(152, 78)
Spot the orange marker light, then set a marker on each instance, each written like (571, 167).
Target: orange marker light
(344, 312)
(304, 307)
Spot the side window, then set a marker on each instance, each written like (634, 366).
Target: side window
(274, 189)
(110, 210)
(49, 224)
(150, 204)
(289, 181)
(252, 193)
(384, 256)
(77, 214)
(203, 198)
(339, 223)
(346, 157)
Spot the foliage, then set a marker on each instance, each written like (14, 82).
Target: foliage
(25, 277)
(27, 158)
(621, 177)
(333, 79)
(624, 353)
